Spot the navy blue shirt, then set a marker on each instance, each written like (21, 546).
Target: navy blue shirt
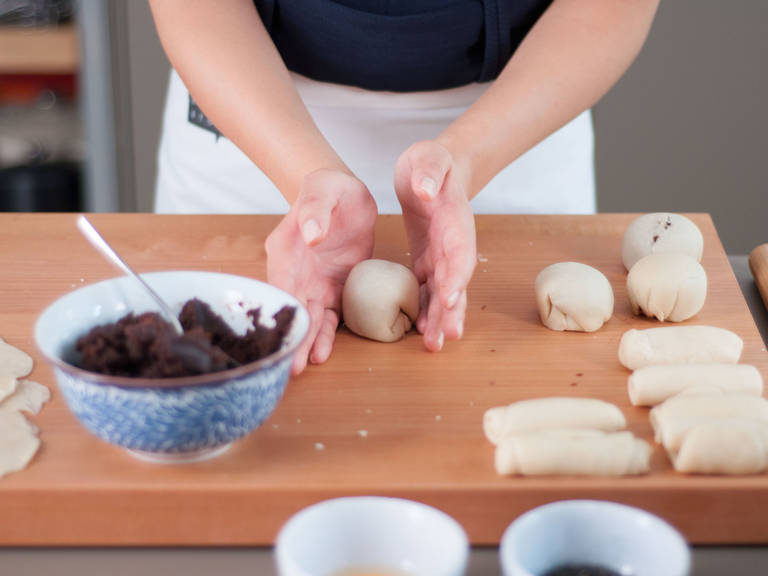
(399, 45)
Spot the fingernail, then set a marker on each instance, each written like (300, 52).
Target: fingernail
(429, 186)
(461, 328)
(440, 341)
(452, 299)
(310, 231)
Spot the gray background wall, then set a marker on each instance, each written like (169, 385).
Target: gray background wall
(683, 130)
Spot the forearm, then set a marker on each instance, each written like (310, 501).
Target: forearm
(573, 55)
(228, 62)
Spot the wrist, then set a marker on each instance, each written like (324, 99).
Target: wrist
(317, 161)
(290, 161)
(338, 187)
(462, 162)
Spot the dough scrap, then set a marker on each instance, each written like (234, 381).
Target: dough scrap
(661, 232)
(653, 385)
(673, 419)
(29, 397)
(13, 361)
(18, 441)
(573, 452)
(679, 345)
(573, 296)
(724, 447)
(550, 413)
(18, 436)
(667, 286)
(8, 384)
(380, 300)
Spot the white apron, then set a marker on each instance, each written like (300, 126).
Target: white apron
(199, 172)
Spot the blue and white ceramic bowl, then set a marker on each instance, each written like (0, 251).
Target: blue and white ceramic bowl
(171, 419)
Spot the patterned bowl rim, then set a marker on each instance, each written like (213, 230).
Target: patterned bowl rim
(210, 379)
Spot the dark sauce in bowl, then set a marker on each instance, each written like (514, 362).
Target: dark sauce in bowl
(581, 570)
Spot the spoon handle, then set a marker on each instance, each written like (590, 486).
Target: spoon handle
(98, 242)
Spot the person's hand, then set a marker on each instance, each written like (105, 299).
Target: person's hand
(432, 189)
(328, 230)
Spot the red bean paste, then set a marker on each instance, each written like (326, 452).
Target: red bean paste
(147, 346)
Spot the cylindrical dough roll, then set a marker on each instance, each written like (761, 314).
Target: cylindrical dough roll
(661, 232)
(380, 300)
(672, 420)
(724, 447)
(573, 296)
(549, 413)
(667, 286)
(679, 345)
(573, 452)
(652, 385)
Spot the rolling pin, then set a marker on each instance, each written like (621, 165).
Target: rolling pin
(758, 263)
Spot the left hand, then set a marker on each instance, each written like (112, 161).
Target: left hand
(328, 230)
(432, 188)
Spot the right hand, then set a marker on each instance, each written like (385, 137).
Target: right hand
(310, 253)
(441, 235)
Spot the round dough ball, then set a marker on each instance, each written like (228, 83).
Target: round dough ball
(380, 300)
(670, 286)
(573, 296)
(661, 232)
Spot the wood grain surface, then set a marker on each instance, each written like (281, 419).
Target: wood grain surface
(422, 412)
(758, 264)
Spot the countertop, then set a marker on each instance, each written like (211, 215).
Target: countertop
(708, 561)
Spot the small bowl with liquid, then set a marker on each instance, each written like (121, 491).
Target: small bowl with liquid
(592, 538)
(371, 536)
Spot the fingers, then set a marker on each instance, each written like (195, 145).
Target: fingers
(438, 323)
(318, 344)
(321, 350)
(434, 337)
(452, 320)
(454, 268)
(315, 310)
(421, 319)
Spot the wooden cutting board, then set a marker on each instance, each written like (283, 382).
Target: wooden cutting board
(422, 412)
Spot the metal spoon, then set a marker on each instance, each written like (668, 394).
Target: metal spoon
(98, 242)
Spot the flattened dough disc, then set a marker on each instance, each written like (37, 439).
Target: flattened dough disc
(14, 361)
(18, 442)
(29, 397)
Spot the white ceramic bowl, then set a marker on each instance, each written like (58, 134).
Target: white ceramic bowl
(627, 540)
(170, 419)
(371, 535)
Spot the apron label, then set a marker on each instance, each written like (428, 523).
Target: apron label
(195, 116)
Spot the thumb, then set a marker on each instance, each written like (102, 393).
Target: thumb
(313, 216)
(430, 164)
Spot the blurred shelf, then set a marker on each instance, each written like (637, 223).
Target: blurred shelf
(39, 50)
